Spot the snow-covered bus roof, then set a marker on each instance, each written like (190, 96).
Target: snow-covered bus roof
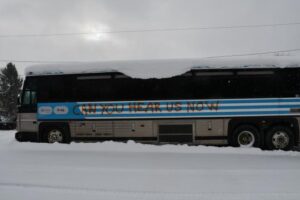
(160, 68)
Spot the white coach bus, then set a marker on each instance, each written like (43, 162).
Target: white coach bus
(248, 103)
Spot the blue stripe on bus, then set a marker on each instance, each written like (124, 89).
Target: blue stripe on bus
(165, 102)
(193, 114)
(223, 101)
(153, 115)
(279, 104)
(220, 105)
(205, 108)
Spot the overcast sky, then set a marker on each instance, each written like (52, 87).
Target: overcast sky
(65, 16)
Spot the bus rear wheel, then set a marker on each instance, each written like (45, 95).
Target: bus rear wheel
(245, 136)
(280, 138)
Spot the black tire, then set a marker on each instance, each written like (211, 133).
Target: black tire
(65, 134)
(19, 137)
(248, 132)
(282, 132)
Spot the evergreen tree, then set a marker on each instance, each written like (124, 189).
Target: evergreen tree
(10, 88)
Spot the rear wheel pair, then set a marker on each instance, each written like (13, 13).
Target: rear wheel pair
(278, 137)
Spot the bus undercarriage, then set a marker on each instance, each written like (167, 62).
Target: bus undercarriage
(264, 132)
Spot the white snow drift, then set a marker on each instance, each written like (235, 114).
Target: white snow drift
(124, 171)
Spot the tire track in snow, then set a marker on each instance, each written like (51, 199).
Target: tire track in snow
(158, 194)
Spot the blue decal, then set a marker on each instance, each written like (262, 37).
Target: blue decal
(168, 109)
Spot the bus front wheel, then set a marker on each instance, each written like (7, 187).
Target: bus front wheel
(56, 135)
(245, 136)
(280, 138)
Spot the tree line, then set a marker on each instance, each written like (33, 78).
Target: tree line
(10, 89)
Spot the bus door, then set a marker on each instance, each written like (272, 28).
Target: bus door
(27, 111)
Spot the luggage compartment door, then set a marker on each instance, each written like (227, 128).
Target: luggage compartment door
(175, 133)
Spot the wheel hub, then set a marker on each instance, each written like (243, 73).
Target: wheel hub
(246, 139)
(280, 140)
(55, 136)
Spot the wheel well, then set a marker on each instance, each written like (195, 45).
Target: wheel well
(235, 123)
(44, 126)
(264, 124)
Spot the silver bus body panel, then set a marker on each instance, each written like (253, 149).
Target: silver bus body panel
(133, 128)
(130, 128)
(210, 127)
(27, 122)
(148, 129)
(202, 129)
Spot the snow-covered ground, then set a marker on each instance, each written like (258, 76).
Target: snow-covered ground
(124, 171)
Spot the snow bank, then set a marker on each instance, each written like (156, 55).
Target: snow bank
(161, 68)
(7, 139)
(131, 171)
